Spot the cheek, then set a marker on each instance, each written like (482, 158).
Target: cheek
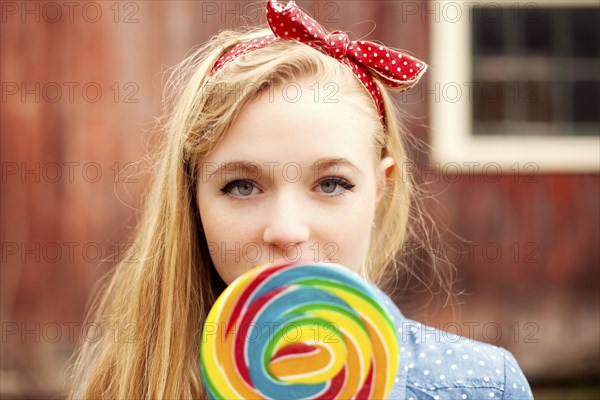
(225, 250)
(348, 244)
(226, 237)
(354, 246)
(228, 225)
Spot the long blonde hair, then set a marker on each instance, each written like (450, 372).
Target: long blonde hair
(167, 287)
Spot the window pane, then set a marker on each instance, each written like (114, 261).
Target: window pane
(586, 32)
(538, 30)
(537, 96)
(488, 101)
(586, 101)
(487, 32)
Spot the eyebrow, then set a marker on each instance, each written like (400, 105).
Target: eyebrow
(234, 166)
(324, 163)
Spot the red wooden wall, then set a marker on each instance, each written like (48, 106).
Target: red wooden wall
(81, 83)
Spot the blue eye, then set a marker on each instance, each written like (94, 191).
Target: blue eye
(329, 185)
(243, 188)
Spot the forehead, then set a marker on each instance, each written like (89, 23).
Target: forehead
(300, 121)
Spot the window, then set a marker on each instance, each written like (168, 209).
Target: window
(519, 84)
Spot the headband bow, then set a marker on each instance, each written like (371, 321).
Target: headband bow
(366, 59)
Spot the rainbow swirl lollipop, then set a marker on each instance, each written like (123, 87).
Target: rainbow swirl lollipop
(299, 331)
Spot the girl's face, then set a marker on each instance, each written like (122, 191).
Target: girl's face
(296, 177)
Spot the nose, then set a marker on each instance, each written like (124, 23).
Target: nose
(286, 223)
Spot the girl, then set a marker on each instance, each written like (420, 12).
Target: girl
(283, 142)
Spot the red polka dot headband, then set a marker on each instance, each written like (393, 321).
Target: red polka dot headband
(366, 59)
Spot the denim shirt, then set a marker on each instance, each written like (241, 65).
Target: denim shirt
(436, 364)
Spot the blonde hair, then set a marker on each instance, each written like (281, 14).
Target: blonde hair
(167, 288)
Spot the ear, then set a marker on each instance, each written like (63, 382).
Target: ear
(385, 170)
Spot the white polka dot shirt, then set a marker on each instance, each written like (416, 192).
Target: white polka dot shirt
(436, 364)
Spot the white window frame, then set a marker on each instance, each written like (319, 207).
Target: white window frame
(452, 137)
